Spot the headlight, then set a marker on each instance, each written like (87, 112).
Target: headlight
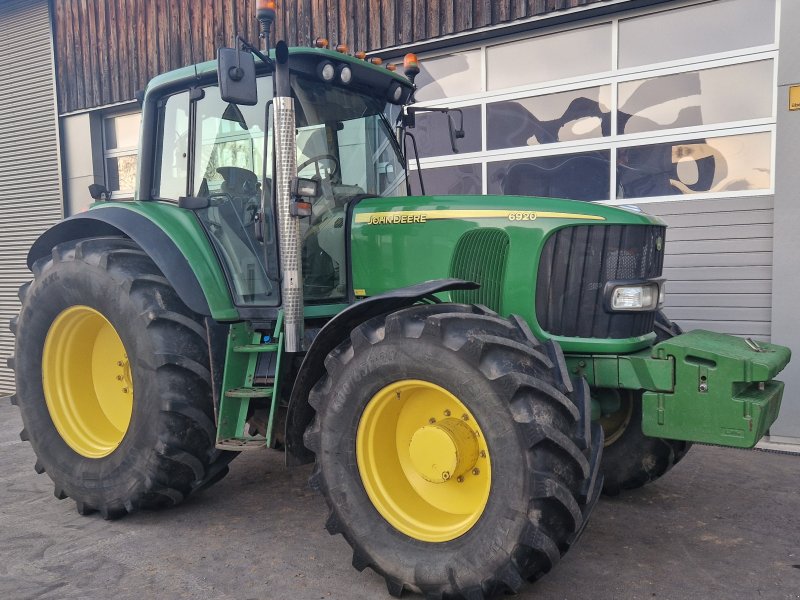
(635, 296)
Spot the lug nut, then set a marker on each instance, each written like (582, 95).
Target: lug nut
(119, 363)
(464, 417)
(446, 475)
(431, 420)
(124, 390)
(446, 413)
(460, 479)
(483, 453)
(119, 377)
(476, 471)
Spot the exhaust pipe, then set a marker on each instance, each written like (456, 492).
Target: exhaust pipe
(288, 225)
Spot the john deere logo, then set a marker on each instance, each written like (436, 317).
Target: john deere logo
(659, 243)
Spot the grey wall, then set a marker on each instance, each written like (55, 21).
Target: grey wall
(30, 181)
(718, 264)
(786, 283)
(82, 154)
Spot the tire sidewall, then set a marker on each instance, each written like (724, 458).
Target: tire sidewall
(67, 284)
(494, 535)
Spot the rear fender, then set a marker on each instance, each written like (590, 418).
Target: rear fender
(300, 413)
(171, 236)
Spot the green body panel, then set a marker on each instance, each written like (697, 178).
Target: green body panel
(699, 386)
(185, 231)
(417, 241)
(723, 392)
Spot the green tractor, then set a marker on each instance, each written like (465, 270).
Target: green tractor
(467, 373)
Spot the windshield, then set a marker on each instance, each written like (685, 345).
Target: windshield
(345, 140)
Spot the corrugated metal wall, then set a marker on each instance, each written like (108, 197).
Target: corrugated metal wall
(30, 181)
(719, 264)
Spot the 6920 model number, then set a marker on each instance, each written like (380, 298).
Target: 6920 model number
(522, 215)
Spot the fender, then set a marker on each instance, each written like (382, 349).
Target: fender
(170, 236)
(300, 413)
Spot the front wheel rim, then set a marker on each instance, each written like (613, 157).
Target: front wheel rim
(87, 381)
(423, 460)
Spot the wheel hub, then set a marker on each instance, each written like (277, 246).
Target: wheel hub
(423, 460)
(443, 450)
(87, 381)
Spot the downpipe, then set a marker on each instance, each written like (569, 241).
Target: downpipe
(288, 225)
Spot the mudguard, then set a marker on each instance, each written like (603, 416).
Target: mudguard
(172, 238)
(300, 413)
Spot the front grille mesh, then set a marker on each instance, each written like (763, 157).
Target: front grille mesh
(575, 265)
(480, 255)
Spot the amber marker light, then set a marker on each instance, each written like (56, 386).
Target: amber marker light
(391, 67)
(361, 54)
(342, 48)
(376, 61)
(321, 42)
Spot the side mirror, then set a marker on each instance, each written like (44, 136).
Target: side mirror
(99, 192)
(236, 72)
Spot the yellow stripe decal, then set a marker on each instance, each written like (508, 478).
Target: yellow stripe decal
(423, 216)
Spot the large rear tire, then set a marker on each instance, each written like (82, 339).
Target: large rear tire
(632, 459)
(113, 381)
(456, 456)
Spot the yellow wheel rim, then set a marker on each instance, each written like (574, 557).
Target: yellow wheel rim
(87, 381)
(615, 424)
(423, 460)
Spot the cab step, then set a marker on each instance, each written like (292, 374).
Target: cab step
(241, 444)
(249, 392)
(245, 348)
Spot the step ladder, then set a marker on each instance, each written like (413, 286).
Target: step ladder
(244, 349)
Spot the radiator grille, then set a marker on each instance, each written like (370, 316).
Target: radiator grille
(480, 256)
(575, 265)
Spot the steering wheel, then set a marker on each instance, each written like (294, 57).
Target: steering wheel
(319, 158)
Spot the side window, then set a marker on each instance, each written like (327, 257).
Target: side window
(229, 143)
(172, 165)
(120, 150)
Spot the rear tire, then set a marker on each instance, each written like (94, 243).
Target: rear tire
(633, 459)
(542, 452)
(164, 450)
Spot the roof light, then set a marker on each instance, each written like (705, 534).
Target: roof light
(376, 61)
(411, 66)
(265, 9)
(326, 71)
(345, 74)
(342, 48)
(361, 54)
(391, 67)
(321, 42)
(395, 94)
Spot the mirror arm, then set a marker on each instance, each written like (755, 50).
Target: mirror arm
(260, 55)
(407, 135)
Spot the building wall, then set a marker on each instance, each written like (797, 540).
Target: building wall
(108, 49)
(30, 181)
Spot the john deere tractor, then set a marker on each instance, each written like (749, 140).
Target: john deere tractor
(468, 373)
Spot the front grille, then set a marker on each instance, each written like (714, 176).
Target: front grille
(575, 265)
(480, 256)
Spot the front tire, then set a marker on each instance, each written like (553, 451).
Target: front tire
(113, 381)
(453, 452)
(632, 459)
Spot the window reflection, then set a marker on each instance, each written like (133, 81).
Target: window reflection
(579, 176)
(706, 28)
(432, 132)
(549, 57)
(458, 179)
(719, 95)
(723, 164)
(566, 116)
(449, 76)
